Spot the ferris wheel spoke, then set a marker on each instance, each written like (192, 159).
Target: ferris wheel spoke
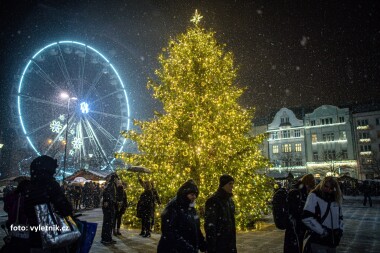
(82, 65)
(62, 65)
(94, 83)
(95, 141)
(109, 115)
(102, 130)
(106, 96)
(46, 77)
(39, 100)
(33, 131)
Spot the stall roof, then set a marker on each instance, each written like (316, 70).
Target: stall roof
(87, 174)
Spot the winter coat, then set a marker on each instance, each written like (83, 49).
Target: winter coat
(180, 225)
(315, 208)
(44, 190)
(121, 198)
(220, 223)
(109, 196)
(295, 230)
(145, 205)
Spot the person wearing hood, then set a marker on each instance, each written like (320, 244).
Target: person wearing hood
(180, 223)
(295, 230)
(220, 218)
(109, 208)
(44, 189)
(322, 215)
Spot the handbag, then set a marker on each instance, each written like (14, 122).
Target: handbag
(19, 230)
(56, 231)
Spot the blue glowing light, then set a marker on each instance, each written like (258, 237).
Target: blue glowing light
(84, 107)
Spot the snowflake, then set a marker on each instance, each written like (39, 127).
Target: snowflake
(72, 131)
(71, 152)
(77, 142)
(61, 117)
(60, 138)
(55, 126)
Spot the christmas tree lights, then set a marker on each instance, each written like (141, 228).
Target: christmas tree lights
(203, 131)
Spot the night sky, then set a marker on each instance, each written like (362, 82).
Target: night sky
(290, 53)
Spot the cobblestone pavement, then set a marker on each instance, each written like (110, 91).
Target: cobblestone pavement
(361, 233)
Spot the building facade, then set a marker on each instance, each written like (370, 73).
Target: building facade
(329, 142)
(367, 139)
(286, 146)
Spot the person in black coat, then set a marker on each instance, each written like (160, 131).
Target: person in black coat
(44, 189)
(295, 231)
(220, 218)
(180, 223)
(109, 208)
(122, 204)
(145, 207)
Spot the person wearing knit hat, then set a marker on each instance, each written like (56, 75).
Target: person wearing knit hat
(180, 223)
(295, 231)
(220, 218)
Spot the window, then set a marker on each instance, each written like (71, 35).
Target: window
(297, 133)
(275, 135)
(286, 148)
(342, 135)
(362, 122)
(298, 162)
(326, 121)
(364, 148)
(329, 155)
(312, 122)
(315, 156)
(328, 137)
(344, 154)
(378, 134)
(378, 121)
(285, 134)
(364, 135)
(314, 138)
(341, 119)
(285, 120)
(298, 147)
(275, 149)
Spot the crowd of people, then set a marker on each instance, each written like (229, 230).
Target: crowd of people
(315, 220)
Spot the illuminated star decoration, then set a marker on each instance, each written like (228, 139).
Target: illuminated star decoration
(77, 143)
(72, 131)
(61, 117)
(196, 18)
(55, 126)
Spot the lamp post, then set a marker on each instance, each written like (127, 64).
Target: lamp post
(66, 96)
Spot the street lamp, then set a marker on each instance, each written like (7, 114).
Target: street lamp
(66, 96)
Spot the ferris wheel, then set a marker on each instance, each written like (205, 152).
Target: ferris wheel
(72, 105)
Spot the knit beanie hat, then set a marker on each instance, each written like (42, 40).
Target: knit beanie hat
(225, 179)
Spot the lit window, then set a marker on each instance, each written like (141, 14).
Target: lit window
(314, 138)
(298, 147)
(286, 148)
(275, 149)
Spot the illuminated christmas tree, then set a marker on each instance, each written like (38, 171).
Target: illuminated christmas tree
(203, 131)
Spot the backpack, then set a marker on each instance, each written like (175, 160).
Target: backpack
(280, 208)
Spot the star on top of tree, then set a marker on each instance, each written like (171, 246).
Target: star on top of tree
(196, 18)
